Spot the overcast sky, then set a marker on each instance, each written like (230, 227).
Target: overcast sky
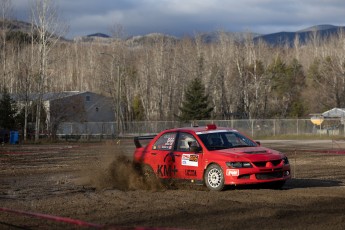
(187, 17)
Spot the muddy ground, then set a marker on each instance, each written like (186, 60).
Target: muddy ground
(92, 182)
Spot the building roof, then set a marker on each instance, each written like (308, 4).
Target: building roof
(46, 96)
(334, 113)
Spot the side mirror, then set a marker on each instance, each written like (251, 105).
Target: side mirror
(258, 142)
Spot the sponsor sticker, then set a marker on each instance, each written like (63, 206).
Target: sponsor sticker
(190, 160)
(189, 172)
(232, 172)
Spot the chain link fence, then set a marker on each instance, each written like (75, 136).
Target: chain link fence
(254, 127)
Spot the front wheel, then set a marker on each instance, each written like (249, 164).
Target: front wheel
(214, 177)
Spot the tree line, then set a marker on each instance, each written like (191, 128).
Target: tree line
(150, 80)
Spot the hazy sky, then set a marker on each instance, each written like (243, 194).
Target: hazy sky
(186, 17)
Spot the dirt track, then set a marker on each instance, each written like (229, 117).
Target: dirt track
(90, 182)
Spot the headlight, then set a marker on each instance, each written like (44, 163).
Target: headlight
(286, 161)
(239, 165)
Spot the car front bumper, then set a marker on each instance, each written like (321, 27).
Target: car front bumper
(256, 175)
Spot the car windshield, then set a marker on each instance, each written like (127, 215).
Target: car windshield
(225, 140)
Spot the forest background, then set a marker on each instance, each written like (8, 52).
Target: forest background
(149, 76)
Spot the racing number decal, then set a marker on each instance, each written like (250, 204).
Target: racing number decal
(165, 142)
(169, 142)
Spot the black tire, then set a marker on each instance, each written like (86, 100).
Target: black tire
(214, 177)
(150, 178)
(148, 173)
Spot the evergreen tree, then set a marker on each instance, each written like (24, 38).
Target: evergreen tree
(138, 109)
(7, 111)
(195, 105)
(287, 83)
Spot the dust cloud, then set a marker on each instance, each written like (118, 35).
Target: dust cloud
(116, 171)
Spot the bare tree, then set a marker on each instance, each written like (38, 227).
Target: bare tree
(24, 88)
(6, 13)
(240, 77)
(49, 30)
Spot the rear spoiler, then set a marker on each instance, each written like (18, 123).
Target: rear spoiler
(139, 138)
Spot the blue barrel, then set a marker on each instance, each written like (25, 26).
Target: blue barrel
(14, 137)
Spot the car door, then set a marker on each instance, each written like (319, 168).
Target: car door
(163, 160)
(189, 164)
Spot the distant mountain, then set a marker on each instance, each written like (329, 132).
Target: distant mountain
(319, 27)
(274, 39)
(150, 39)
(212, 37)
(20, 31)
(14, 25)
(98, 35)
(288, 38)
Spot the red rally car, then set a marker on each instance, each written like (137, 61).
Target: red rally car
(214, 156)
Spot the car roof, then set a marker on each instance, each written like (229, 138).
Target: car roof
(201, 129)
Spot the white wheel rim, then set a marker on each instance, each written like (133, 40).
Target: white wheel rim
(214, 178)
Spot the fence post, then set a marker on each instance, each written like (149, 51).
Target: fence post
(252, 128)
(294, 168)
(274, 127)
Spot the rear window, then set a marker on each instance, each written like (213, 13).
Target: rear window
(165, 142)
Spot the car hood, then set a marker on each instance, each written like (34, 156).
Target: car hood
(249, 153)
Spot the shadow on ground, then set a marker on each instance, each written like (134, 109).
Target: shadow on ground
(312, 183)
(292, 184)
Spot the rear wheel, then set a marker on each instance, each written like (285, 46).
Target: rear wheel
(214, 177)
(148, 173)
(150, 178)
